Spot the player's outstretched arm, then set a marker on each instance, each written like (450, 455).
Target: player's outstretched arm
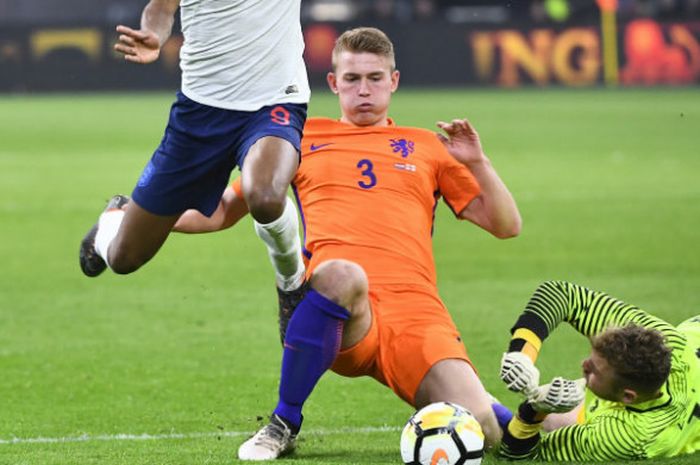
(588, 311)
(554, 302)
(231, 209)
(494, 209)
(521, 439)
(143, 46)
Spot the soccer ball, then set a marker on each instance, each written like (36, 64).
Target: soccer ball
(442, 434)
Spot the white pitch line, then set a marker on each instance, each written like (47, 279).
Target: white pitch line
(158, 437)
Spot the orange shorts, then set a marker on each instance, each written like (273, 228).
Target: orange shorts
(411, 331)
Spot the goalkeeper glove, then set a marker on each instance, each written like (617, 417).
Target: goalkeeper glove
(519, 373)
(559, 396)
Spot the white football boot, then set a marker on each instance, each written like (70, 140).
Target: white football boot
(272, 441)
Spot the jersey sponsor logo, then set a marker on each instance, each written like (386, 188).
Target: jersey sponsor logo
(315, 147)
(280, 115)
(291, 90)
(405, 167)
(406, 147)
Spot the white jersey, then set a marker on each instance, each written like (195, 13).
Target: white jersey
(243, 54)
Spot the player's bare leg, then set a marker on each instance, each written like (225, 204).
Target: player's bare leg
(345, 283)
(125, 237)
(268, 169)
(138, 239)
(455, 380)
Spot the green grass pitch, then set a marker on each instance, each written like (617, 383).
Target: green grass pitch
(178, 362)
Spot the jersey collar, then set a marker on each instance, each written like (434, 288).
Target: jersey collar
(652, 404)
(389, 124)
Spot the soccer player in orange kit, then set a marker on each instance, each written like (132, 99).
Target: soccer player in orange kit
(367, 191)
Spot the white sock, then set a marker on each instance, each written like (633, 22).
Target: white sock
(107, 229)
(284, 247)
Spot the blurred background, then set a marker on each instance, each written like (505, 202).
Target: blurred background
(66, 45)
(589, 110)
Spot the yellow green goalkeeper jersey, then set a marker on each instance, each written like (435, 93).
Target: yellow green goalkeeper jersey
(611, 431)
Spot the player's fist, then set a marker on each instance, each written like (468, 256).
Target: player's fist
(559, 396)
(519, 373)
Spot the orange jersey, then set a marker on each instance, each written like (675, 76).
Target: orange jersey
(368, 194)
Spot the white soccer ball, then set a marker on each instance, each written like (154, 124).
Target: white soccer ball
(442, 434)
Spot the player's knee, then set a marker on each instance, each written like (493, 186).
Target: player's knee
(342, 281)
(123, 262)
(125, 266)
(266, 204)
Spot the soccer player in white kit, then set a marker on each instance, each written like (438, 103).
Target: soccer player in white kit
(242, 102)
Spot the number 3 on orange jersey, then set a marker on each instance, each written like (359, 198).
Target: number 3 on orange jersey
(367, 166)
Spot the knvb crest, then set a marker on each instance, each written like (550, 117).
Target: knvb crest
(406, 147)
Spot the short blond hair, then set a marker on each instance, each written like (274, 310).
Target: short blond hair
(364, 40)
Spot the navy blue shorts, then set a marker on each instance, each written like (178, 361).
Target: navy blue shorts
(200, 148)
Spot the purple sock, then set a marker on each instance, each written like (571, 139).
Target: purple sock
(503, 415)
(312, 343)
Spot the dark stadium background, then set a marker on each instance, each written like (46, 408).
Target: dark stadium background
(66, 45)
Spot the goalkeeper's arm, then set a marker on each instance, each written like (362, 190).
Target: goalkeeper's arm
(518, 369)
(522, 436)
(607, 440)
(554, 302)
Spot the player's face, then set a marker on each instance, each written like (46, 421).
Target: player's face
(600, 377)
(364, 83)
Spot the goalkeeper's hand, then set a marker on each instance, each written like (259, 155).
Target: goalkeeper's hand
(519, 373)
(559, 396)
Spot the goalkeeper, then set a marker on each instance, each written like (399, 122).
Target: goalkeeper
(642, 382)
